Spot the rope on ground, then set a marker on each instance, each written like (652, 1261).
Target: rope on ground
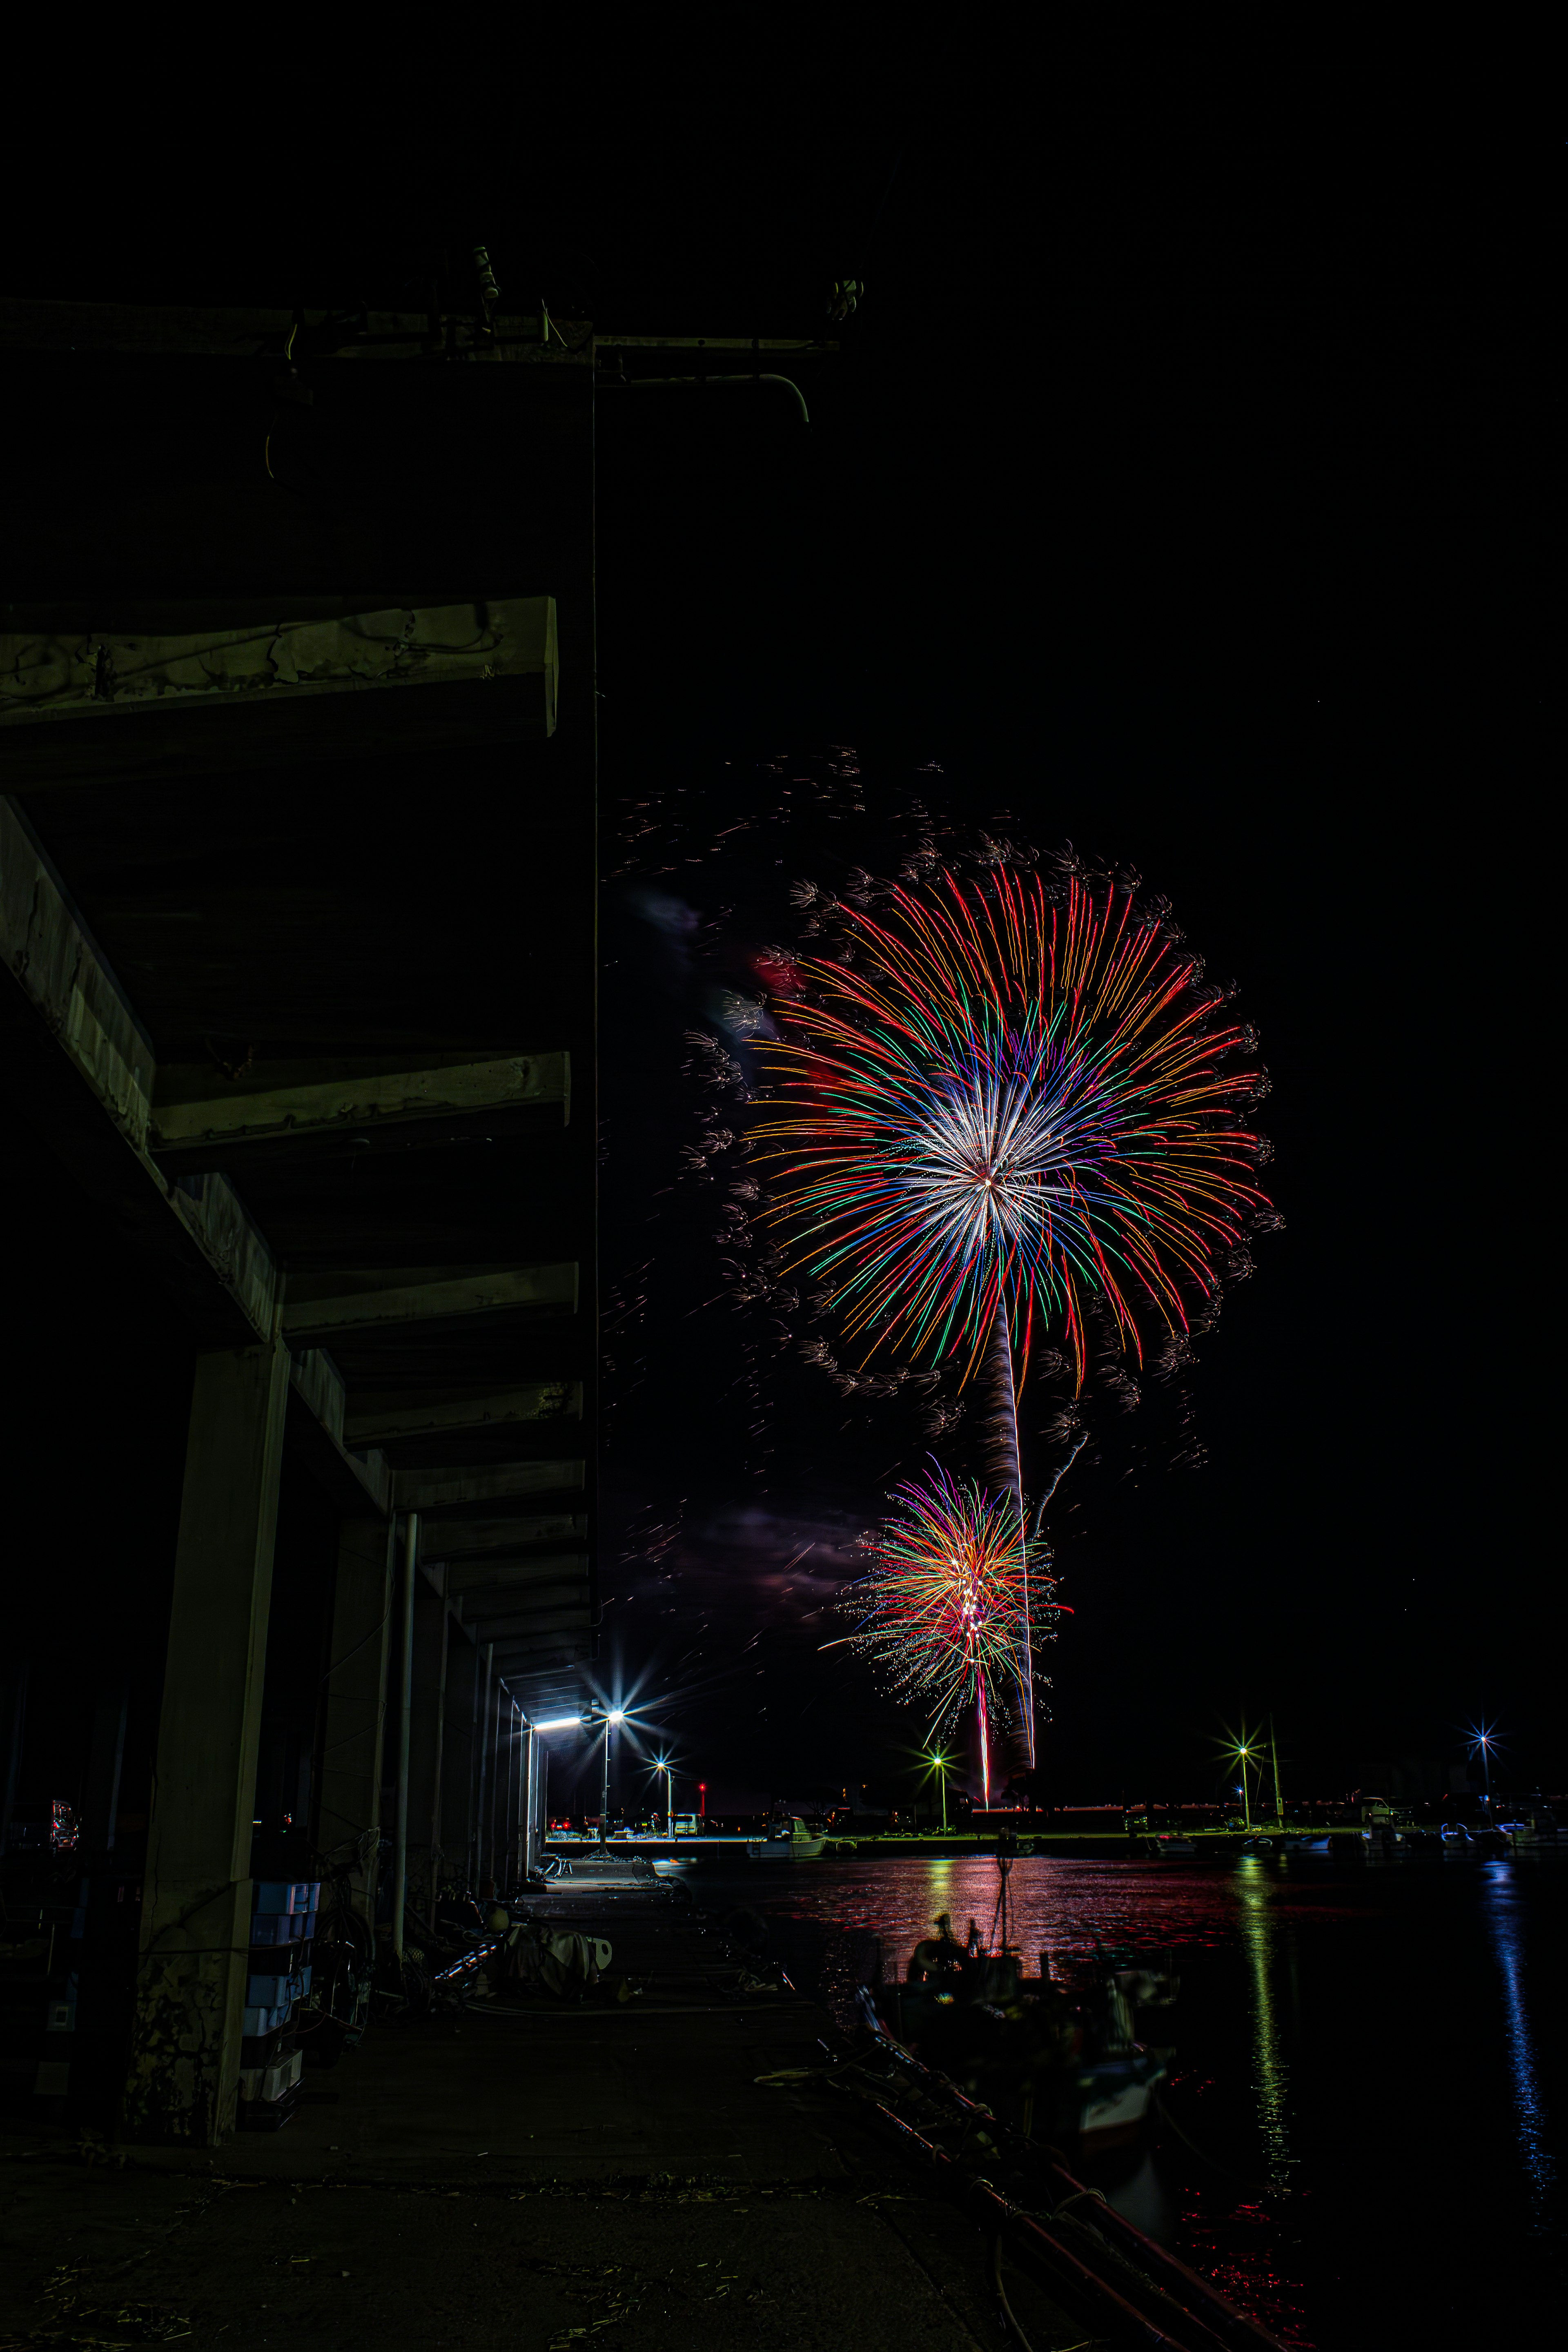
(1009, 2316)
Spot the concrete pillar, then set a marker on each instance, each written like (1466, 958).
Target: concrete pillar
(521, 1833)
(196, 1909)
(487, 1839)
(531, 1841)
(430, 1655)
(500, 1753)
(463, 1663)
(353, 1741)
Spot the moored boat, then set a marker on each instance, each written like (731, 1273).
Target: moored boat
(787, 1840)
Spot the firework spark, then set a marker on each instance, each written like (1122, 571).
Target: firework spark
(1009, 1107)
(1004, 1106)
(953, 1603)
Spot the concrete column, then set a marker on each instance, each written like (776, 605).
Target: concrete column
(196, 1909)
(520, 1835)
(355, 1734)
(530, 1841)
(487, 1843)
(429, 1654)
(456, 1768)
(500, 1753)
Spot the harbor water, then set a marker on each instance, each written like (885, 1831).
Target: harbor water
(1362, 2136)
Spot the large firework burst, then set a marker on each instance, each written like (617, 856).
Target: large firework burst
(1006, 1106)
(948, 1608)
(1010, 1104)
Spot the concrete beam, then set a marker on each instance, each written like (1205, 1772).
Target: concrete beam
(352, 1304)
(557, 1605)
(253, 333)
(259, 689)
(396, 1418)
(457, 1539)
(492, 1584)
(192, 1118)
(521, 1640)
(190, 1993)
(431, 1492)
(82, 1072)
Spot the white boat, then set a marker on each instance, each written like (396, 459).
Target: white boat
(1114, 2096)
(787, 1842)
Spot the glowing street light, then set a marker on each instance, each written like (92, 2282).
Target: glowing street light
(1244, 1753)
(660, 1764)
(611, 1717)
(939, 1766)
(1483, 1739)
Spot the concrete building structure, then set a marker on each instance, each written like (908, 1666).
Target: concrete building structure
(297, 912)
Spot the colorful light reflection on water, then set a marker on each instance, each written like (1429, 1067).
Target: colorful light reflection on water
(1504, 1913)
(1356, 2047)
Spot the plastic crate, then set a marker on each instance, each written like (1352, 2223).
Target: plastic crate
(282, 1926)
(257, 2050)
(276, 1991)
(265, 2021)
(275, 1894)
(278, 1960)
(263, 2049)
(264, 2082)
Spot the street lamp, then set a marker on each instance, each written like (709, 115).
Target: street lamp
(1242, 1753)
(609, 1717)
(1483, 1738)
(660, 1765)
(939, 1765)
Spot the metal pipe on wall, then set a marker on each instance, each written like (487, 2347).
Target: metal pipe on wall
(405, 1732)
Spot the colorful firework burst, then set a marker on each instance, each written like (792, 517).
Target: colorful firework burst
(951, 1603)
(1010, 1104)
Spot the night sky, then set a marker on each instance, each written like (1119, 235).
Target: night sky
(1176, 495)
(1180, 492)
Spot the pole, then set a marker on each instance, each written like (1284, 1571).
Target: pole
(530, 1802)
(436, 1856)
(1245, 1802)
(484, 1866)
(1274, 1753)
(404, 1731)
(525, 1789)
(605, 1791)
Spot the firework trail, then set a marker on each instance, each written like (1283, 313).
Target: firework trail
(945, 1607)
(1005, 1107)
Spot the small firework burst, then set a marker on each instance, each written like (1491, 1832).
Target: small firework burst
(951, 1603)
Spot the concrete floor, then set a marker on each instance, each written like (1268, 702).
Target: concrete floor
(535, 2179)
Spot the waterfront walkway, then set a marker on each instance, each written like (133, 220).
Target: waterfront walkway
(528, 2174)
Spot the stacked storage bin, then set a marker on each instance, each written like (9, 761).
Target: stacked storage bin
(283, 1921)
